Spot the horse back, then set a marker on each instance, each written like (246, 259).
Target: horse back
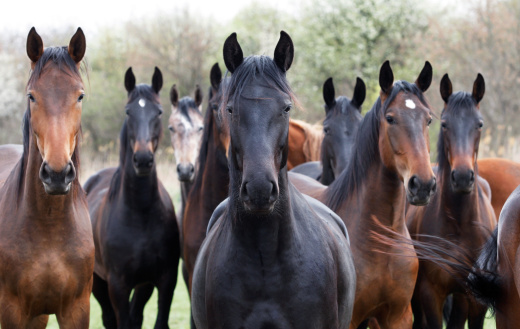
(308, 186)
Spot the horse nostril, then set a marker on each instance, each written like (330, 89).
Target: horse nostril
(453, 178)
(434, 185)
(471, 176)
(192, 169)
(413, 184)
(45, 173)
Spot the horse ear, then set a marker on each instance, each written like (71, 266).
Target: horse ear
(329, 94)
(174, 96)
(386, 78)
(425, 77)
(215, 76)
(77, 46)
(198, 96)
(284, 52)
(129, 80)
(446, 88)
(479, 88)
(233, 55)
(34, 45)
(157, 80)
(360, 91)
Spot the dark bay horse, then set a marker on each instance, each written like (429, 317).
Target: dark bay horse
(342, 120)
(274, 258)
(390, 165)
(133, 219)
(186, 126)
(46, 245)
(211, 184)
(461, 212)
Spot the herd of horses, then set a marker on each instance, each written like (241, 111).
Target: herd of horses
(363, 231)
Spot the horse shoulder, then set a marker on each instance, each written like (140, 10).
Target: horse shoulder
(217, 213)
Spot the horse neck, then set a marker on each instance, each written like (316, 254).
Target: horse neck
(36, 204)
(264, 234)
(137, 191)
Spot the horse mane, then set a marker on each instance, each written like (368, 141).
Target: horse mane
(366, 149)
(458, 101)
(185, 104)
(313, 139)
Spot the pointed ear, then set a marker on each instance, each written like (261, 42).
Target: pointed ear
(386, 78)
(479, 88)
(198, 96)
(446, 88)
(34, 45)
(360, 91)
(174, 96)
(425, 77)
(129, 80)
(284, 52)
(329, 94)
(77, 46)
(233, 55)
(215, 76)
(157, 80)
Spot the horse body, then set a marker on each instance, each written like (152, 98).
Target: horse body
(273, 258)
(46, 246)
(391, 149)
(304, 143)
(133, 219)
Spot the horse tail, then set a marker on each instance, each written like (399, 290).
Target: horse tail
(484, 281)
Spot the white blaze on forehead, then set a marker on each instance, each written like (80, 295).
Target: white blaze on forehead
(142, 102)
(410, 104)
(186, 123)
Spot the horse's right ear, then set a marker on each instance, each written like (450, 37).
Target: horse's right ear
(425, 77)
(215, 76)
(446, 88)
(284, 52)
(34, 45)
(77, 46)
(233, 55)
(174, 96)
(129, 80)
(157, 80)
(386, 78)
(479, 88)
(198, 96)
(360, 91)
(329, 94)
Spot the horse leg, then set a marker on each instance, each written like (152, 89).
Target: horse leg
(394, 319)
(166, 288)
(39, 322)
(100, 291)
(477, 314)
(76, 315)
(11, 315)
(459, 312)
(141, 296)
(430, 302)
(119, 294)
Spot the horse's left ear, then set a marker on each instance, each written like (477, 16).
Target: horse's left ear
(479, 88)
(77, 46)
(284, 52)
(446, 88)
(215, 76)
(360, 91)
(34, 45)
(157, 80)
(198, 96)
(425, 77)
(233, 55)
(386, 78)
(174, 96)
(129, 80)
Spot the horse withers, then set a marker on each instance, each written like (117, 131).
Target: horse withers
(133, 219)
(46, 245)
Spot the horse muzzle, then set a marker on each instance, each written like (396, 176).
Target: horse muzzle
(419, 192)
(143, 163)
(185, 172)
(259, 196)
(57, 183)
(462, 181)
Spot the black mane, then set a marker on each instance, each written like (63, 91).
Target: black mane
(366, 149)
(185, 104)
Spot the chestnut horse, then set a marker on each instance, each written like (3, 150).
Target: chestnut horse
(342, 120)
(211, 184)
(304, 143)
(392, 148)
(186, 126)
(46, 246)
(273, 258)
(133, 219)
(460, 213)
(503, 177)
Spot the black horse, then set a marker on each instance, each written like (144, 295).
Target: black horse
(273, 258)
(343, 118)
(133, 219)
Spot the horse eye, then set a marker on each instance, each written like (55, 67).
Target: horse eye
(326, 130)
(31, 97)
(171, 129)
(229, 109)
(127, 112)
(201, 128)
(480, 125)
(80, 98)
(429, 121)
(214, 107)
(390, 119)
(444, 125)
(287, 109)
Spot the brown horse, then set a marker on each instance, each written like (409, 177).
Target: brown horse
(46, 246)
(460, 213)
(392, 148)
(503, 177)
(304, 143)
(211, 182)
